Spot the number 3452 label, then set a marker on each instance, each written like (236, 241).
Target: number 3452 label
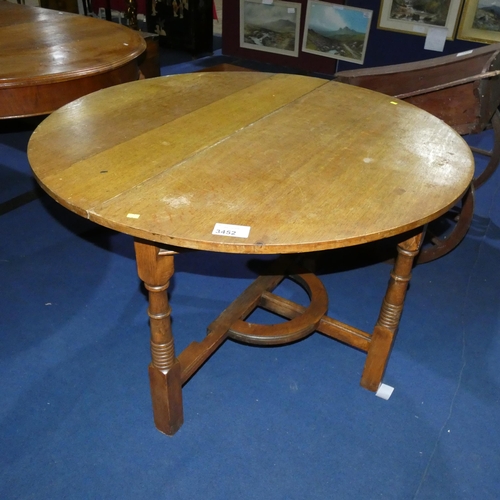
(231, 230)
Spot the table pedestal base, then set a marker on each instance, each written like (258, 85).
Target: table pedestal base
(168, 373)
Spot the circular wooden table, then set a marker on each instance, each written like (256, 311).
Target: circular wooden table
(252, 163)
(50, 58)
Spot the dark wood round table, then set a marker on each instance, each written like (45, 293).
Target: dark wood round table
(50, 58)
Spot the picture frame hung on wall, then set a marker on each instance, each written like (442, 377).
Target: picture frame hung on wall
(270, 26)
(480, 21)
(336, 31)
(416, 17)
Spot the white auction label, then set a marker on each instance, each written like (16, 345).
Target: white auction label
(231, 230)
(384, 391)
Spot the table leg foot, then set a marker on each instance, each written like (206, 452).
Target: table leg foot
(390, 313)
(166, 396)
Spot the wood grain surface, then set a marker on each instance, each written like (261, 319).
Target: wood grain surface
(49, 58)
(306, 163)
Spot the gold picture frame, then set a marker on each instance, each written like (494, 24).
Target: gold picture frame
(480, 22)
(411, 16)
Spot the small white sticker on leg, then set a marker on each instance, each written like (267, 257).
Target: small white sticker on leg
(384, 391)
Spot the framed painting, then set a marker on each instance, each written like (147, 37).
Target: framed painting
(270, 26)
(336, 31)
(417, 16)
(480, 21)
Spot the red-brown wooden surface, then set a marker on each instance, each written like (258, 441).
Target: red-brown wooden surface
(49, 58)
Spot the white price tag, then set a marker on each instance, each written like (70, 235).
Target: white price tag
(435, 39)
(231, 230)
(384, 391)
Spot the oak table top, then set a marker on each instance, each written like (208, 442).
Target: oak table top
(306, 163)
(49, 58)
(286, 164)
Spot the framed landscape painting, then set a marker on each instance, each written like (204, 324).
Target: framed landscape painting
(480, 21)
(417, 16)
(270, 27)
(336, 31)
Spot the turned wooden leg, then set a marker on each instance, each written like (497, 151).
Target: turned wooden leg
(155, 268)
(385, 329)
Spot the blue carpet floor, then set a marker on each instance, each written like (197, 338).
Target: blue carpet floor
(260, 423)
